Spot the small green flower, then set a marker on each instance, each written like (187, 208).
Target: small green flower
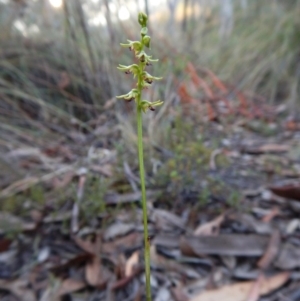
(145, 58)
(133, 45)
(147, 105)
(134, 69)
(132, 95)
(149, 78)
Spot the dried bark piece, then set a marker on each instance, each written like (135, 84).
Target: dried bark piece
(225, 244)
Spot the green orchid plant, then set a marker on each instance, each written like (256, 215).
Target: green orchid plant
(144, 80)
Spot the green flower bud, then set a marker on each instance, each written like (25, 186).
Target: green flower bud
(144, 31)
(142, 18)
(146, 41)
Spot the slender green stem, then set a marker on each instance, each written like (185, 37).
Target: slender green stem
(143, 188)
(144, 80)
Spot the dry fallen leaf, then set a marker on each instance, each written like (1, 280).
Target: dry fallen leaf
(170, 265)
(179, 294)
(70, 285)
(118, 229)
(93, 273)
(225, 244)
(19, 288)
(270, 216)
(210, 228)
(288, 258)
(241, 290)
(271, 251)
(131, 263)
(9, 222)
(289, 191)
(4, 244)
(131, 240)
(255, 289)
(85, 245)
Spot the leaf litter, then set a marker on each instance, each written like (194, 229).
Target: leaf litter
(216, 251)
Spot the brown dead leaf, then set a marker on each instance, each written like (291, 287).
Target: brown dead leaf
(85, 245)
(289, 191)
(271, 251)
(69, 286)
(131, 240)
(267, 148)
(4, 244)
(292, 125)
(270, 216)
(131, 263)
(19, 288)
(178, 294)
(93, 273)
(255, 289)
(240, 291)
(210, 228)
(124, 281)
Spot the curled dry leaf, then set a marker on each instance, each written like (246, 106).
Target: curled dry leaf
(95, 273)
(240, 291)
(131, 263)
(210, 228)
